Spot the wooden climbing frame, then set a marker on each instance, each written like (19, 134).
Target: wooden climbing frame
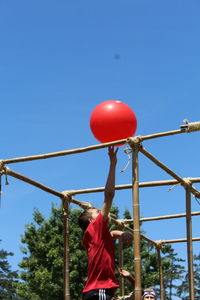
(136, 147)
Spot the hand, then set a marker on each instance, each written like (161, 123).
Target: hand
(124, 273)
(112, 154)
(127, 275)
(127, 237)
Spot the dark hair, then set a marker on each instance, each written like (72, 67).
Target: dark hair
(83, 219)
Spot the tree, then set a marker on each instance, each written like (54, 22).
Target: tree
(174, 270)
(197, 275)
(42, 264)
(183, 290)
(8, 278)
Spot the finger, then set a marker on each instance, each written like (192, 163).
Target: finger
(110, 149)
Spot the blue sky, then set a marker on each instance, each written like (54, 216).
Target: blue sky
(58, 61)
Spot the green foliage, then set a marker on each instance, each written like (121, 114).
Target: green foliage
(42, 264)
(149, 265)
(173, 271)
(183, 290)
(150, 275)
(8, 278)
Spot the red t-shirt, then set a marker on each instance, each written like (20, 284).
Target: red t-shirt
(100, 250)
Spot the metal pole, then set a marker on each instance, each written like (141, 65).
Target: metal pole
(136, 223)
(189, 243)
(66, 293)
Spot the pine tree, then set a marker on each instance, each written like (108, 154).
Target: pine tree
(42, 264)
(183, 290)
(8, 278)
(173, 271)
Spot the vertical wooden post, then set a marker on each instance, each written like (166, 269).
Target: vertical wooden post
(121, 264)
(189, 244)
(162, 291)
(136, 223)
(66, 248)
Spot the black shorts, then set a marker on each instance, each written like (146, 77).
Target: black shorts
(100, 294)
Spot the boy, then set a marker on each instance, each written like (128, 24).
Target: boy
(98, 241)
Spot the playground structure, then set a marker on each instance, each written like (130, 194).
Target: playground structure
(135, 147)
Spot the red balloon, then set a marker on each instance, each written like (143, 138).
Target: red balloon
(112, 120)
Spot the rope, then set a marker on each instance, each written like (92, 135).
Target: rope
(121, 222)
(67, 197)
(197, 200)
(127, 151)
(0, 188)
(2, 172)
(190, 127)
(195, 126)
(171, 188)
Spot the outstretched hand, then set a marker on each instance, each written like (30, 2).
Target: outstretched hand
(112, 152)
(124, 273)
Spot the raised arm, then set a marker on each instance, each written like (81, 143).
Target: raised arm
(125, 237)
(110, 183)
